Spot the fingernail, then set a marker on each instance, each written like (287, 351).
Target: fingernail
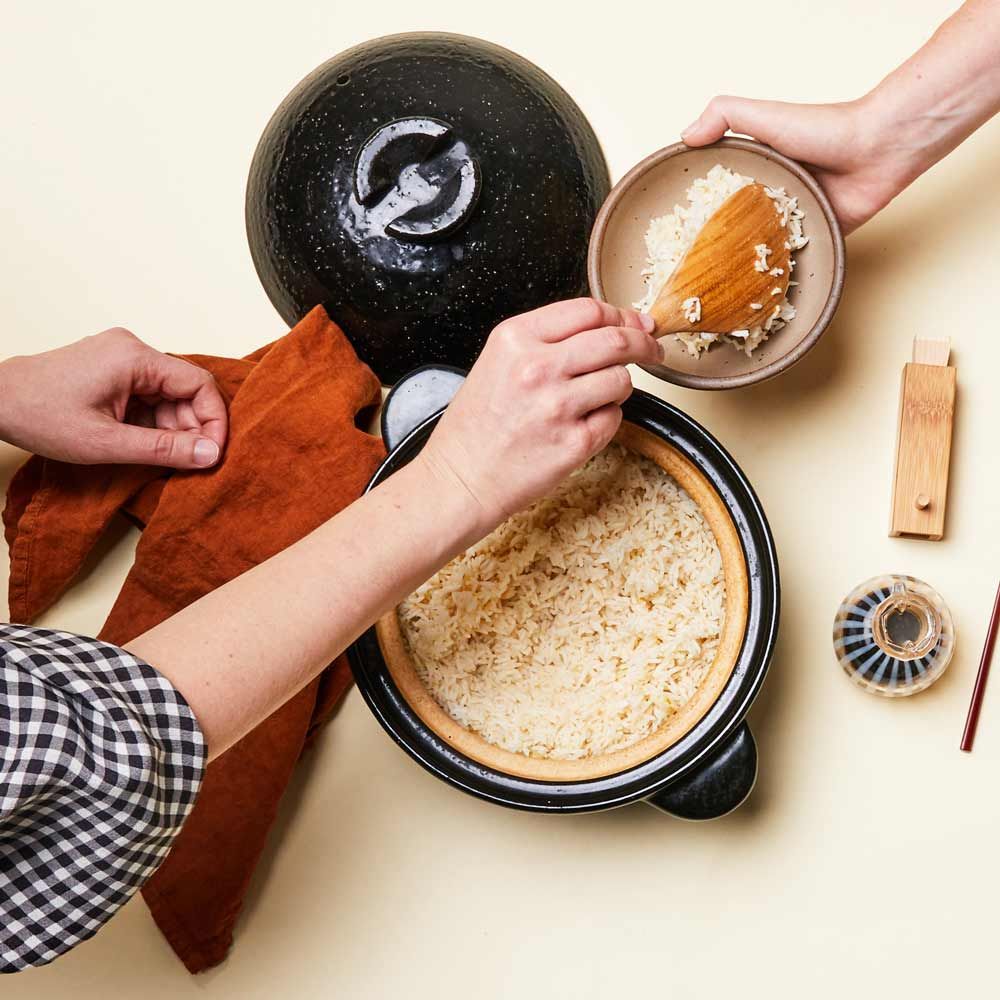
(648, 323)
(206, 452)
(691, 127)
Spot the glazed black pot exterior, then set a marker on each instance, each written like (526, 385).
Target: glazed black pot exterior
(707, 773)
(423, 187)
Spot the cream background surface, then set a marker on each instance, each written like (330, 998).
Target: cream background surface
(866, 859)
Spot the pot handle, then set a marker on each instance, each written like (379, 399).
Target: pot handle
(415, 397)
(718, 785)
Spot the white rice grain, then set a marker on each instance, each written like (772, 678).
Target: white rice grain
(692, 309)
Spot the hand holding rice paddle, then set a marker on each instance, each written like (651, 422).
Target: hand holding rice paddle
(735, 273)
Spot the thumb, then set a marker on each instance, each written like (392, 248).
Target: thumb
(175, 449)
(760, 119)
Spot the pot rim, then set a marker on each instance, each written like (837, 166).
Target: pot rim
(679, 760)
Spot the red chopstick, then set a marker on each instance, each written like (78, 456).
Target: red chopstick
(972, 719)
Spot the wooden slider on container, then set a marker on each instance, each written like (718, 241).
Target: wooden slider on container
(923, 444)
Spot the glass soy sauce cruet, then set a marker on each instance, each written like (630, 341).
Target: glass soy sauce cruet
(893, 635)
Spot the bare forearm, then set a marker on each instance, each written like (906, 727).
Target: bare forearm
(240, 652)
(943, 93)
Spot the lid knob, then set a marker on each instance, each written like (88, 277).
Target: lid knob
(417, 181)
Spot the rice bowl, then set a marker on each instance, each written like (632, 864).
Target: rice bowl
(618, 252)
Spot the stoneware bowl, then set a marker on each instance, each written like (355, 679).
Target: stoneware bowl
(703, 762)
(617, 256)
(423, 187)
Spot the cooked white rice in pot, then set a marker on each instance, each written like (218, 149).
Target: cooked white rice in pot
(669, 237)
(581, 625)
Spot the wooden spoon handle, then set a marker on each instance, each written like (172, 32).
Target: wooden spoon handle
(668, 316)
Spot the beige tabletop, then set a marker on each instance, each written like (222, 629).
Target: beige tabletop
(866, 858)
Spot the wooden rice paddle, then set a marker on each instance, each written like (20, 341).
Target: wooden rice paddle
(719, 270)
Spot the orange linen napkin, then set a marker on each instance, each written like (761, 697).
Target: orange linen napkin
(295, 457)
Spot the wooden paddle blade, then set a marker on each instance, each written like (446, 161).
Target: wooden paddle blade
(720, 269)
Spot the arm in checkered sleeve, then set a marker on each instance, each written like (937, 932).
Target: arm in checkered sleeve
(100, 763)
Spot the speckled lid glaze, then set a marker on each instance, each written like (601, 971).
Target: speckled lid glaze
(423, 187)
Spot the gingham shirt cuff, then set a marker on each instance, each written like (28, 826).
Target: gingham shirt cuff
(101, 760)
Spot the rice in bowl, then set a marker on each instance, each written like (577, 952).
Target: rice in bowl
(669, 237)
(582, 626)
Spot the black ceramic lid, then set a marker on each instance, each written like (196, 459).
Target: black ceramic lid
(423, 187)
